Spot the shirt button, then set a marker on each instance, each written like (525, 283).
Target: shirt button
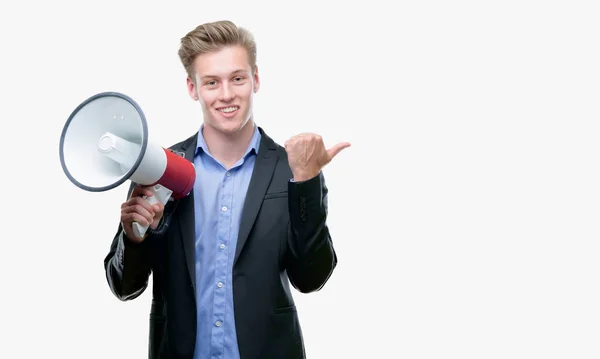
(228, 174)
(220, 285)
(222, 246)
(224, 208)
(218, 323)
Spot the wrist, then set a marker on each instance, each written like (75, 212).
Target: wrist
(301, 176)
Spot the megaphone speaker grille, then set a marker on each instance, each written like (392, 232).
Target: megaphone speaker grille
(85, 135)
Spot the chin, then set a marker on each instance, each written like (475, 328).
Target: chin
(230, 127)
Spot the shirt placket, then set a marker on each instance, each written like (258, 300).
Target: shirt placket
(223, 234)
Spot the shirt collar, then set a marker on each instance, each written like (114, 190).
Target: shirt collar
(252, 146)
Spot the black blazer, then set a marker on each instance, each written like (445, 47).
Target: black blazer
(283, 239)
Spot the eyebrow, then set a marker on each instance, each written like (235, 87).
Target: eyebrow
(233, 73)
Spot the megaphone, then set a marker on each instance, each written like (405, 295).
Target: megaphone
(105, 143)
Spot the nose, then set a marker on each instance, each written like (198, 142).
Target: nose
(226, 92)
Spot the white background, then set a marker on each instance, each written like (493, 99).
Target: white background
(465, 215)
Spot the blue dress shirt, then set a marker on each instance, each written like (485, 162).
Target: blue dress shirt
(219, 196)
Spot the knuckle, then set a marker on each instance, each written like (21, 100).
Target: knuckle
(138, 208)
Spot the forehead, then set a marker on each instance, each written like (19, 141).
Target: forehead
(222, 62)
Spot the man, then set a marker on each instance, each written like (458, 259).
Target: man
(222, 258)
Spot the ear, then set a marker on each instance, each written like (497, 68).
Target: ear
(191, 86)
(256, 79)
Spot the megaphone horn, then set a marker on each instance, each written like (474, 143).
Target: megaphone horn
(105, 143)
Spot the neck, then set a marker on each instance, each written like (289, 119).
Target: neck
(228, 148)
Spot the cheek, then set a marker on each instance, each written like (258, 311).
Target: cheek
(205, 98)
(246, 92)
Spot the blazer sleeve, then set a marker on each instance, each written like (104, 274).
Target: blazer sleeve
(312, 258)
(127, 265)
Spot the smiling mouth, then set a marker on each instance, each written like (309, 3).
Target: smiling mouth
(229, 109)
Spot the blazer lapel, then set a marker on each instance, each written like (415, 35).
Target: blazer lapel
(264, 168)
(186, 215)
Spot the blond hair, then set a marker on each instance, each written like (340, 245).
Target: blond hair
(214, 36)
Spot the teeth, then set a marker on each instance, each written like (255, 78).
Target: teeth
(229, 109)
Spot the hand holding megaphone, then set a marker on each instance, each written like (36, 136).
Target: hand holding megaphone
(142, 210)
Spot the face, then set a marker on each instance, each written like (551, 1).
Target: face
(224, 85)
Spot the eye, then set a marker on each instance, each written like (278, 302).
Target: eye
(211, 83)
(238, 79)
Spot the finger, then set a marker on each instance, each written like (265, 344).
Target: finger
(138, 201)
(333, 151)
(158, 213)
(129, 218)
(139, 191)
(158, 209)
(137, 209)
(300, 137)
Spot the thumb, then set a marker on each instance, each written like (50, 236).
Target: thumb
(158, 208)
(333, 151)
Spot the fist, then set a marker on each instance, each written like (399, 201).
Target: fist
(138, 209)
(307, 155)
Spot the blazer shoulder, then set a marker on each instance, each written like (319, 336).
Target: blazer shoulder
(268, 143)
(181, 146)
(281, 154)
